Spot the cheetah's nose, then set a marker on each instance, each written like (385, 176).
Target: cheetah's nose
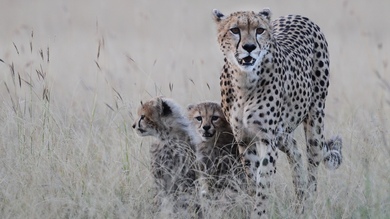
(206, 127)
(249, 47)
(133, 126)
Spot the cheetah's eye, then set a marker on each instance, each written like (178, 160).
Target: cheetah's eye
(214, 118)
(260, 30)
(235, 30)
(199, 118)
(142, 117)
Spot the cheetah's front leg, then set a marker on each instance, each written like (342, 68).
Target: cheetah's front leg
(251, 162)
(248, 154)
(268, 155)
(204, 175)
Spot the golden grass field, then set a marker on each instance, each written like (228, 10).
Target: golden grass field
(72, 74)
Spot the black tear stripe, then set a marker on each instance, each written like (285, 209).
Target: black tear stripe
(239, 40)
(201, 123)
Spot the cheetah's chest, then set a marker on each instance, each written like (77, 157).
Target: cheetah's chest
(271, 103)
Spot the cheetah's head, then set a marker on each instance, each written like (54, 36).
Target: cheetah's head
(163, 118)
(208, 119)
(244, 36)
(151, 116)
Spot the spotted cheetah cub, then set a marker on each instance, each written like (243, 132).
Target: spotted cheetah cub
(217, 154)
(173, 154)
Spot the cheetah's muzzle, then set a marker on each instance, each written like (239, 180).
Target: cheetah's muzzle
(247, 61)
(207, 135)
(141, 130)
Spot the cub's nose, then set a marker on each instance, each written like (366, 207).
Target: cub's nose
(133, 126)
(249, 47)
(206, 127)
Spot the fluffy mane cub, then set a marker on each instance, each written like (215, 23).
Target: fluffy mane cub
(173, 152)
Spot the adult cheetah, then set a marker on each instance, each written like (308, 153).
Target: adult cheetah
(173, 155)
(217, 154)
(275, 77)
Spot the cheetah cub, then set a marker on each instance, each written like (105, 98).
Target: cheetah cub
(173, 154)
(217, 154)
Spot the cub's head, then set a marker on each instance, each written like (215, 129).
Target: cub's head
(152, 116)
(208, 119)
(244, 36)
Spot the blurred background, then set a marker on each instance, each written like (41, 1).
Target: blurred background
(147, 45)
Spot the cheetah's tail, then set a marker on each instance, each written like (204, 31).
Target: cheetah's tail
(333, 156)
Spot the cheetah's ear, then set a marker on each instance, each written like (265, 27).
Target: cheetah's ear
(190, 107)
(162, 107)
(266, 13)
(218, 16)
(166, 109)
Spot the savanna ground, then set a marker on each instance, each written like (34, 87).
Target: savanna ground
(73, 72)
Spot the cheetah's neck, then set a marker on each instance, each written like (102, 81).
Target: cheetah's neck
(246, 80)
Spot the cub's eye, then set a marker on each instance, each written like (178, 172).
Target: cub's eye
(235, 30)
(260, 30)
(142, 116)
(214, 118)
(199, 118)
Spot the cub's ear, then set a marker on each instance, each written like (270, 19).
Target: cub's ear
(190, 107)
(218, 16)
(266, 13)
(166, 109)
(162, 107)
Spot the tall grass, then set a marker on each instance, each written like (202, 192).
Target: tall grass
(56, 163)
